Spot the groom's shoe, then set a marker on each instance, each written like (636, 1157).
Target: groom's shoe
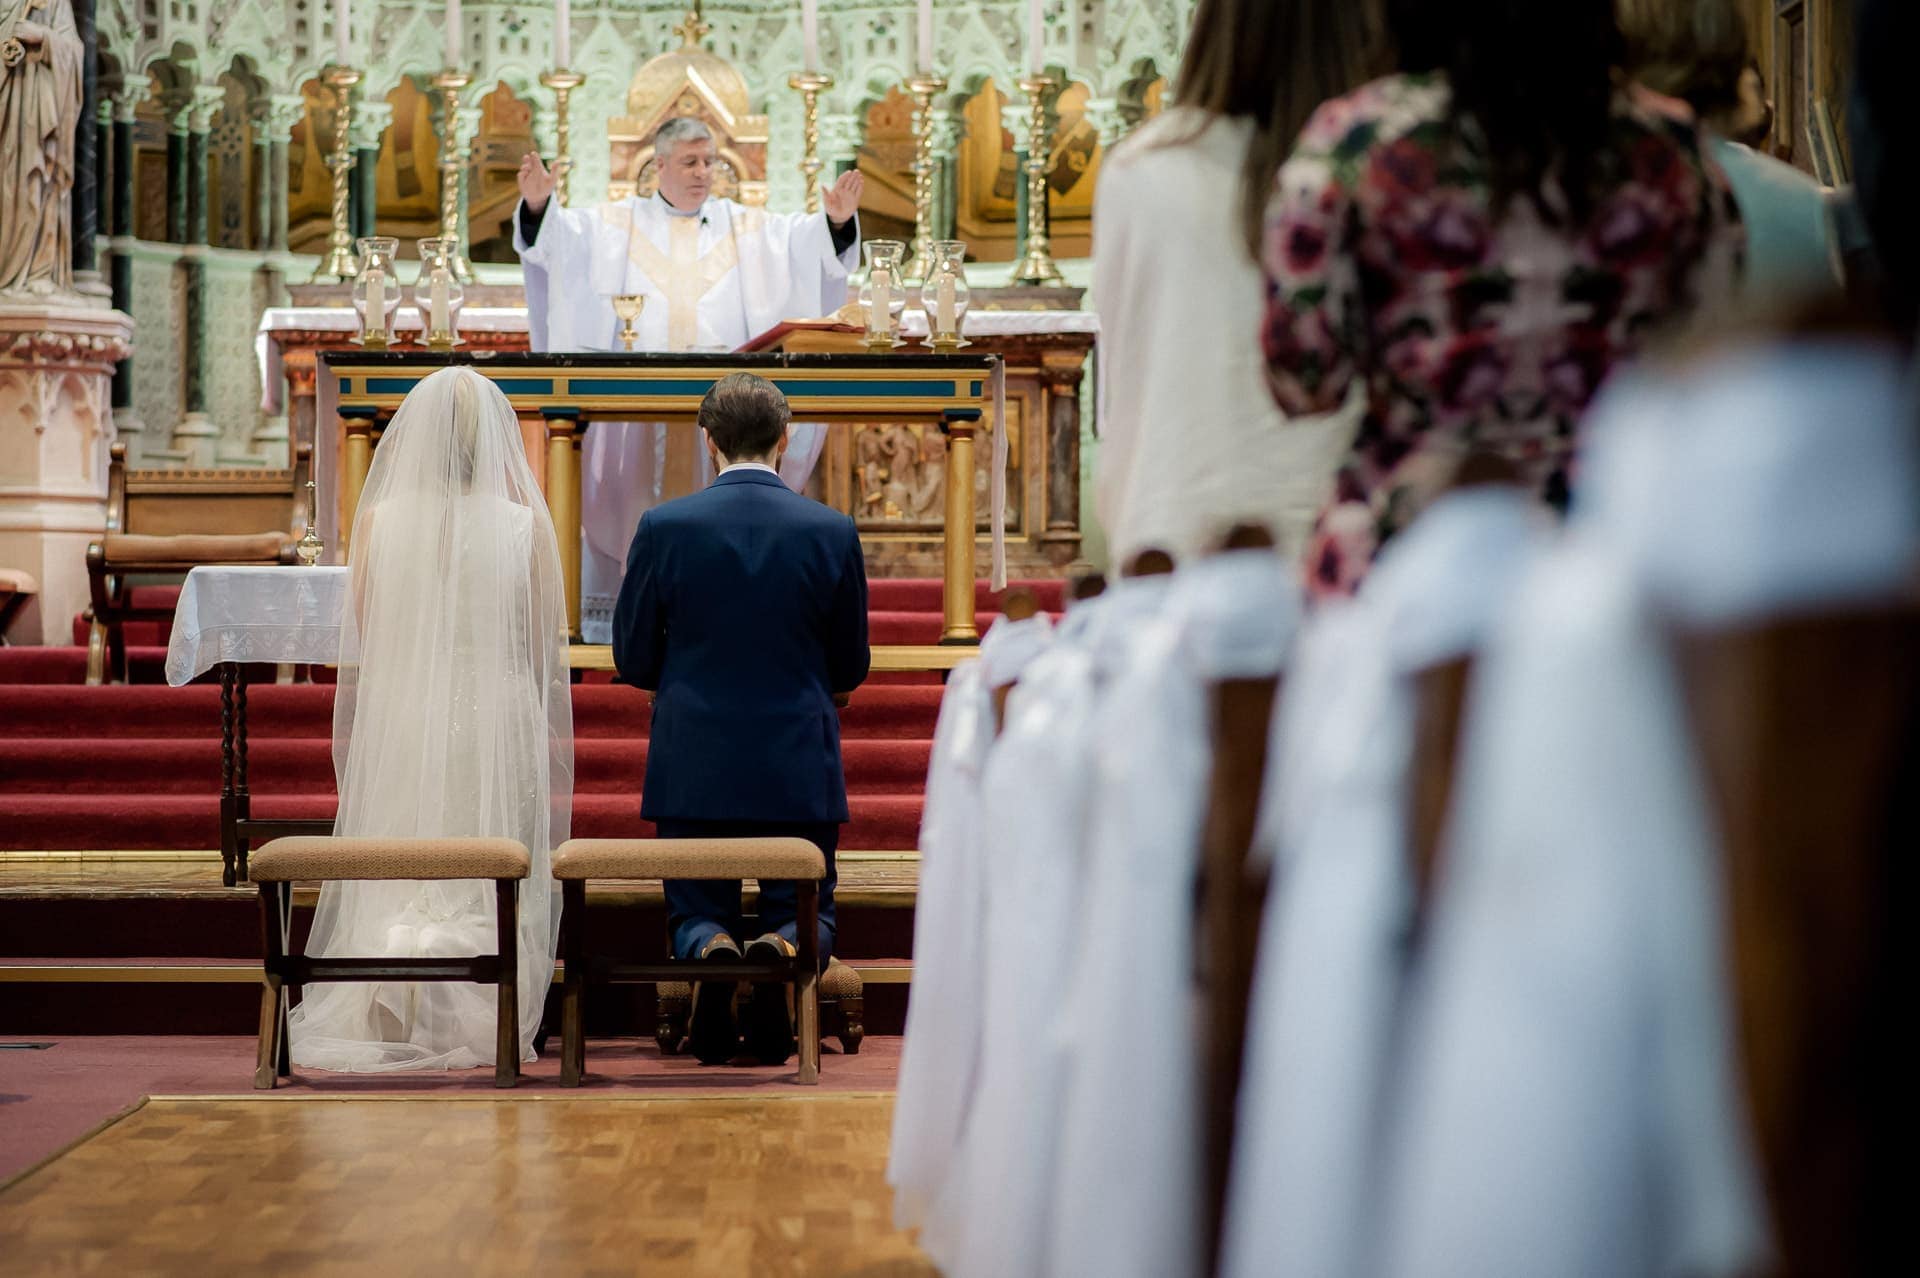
(769, 1015)
(715, 1038)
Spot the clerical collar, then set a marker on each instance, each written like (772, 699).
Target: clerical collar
(667, 204)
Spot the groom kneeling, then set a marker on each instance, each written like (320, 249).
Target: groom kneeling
(744, 609)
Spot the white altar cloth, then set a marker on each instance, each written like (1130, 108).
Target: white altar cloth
(269, 614)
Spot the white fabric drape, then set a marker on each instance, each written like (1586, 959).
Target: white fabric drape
(453, 717)
(1228, 616)
(989, 1217)
(941, 1049)
(1328, 980)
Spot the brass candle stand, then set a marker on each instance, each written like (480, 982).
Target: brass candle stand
(1037, 267)
(810, 85)
(563, 83)
(338, 262)
(923, 88)
(450, 82)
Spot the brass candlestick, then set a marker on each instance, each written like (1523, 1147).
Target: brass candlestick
(628, 307)
(1037, 267)
(450, 82)
(309, 548)
(563, 83)
(923, 88)
(811, 84)
(338, 261)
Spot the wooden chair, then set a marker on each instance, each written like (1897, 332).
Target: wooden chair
(167, 522)
(17, 590)
(278, 865)
(1810, 733)
(843, 1003)
(580, 861)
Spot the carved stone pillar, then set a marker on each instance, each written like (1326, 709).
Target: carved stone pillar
(949, 130)
(1111, 122)
(177, 120)
(86, 186)
(126, 100)
(370, 120)
(470, 116)
(284, 110)
(195, 435)
(1060, 376)
(56, 373)
(1013, 119)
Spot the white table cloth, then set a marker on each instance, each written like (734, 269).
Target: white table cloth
(267, 614)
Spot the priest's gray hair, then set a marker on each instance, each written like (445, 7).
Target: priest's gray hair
(684, 128)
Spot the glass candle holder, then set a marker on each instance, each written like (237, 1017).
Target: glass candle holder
(883, 295)
(945, 296)
(438, 294)
(376, 289)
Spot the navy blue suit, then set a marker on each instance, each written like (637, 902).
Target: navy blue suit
(744, 610)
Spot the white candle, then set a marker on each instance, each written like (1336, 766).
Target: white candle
(810, 32)
(881, 319)
(437, 305)
(1036, 39)
(340, 33)
(562, 34)
(924, 45)
(453, 35)
(374, 280)
(943, 317)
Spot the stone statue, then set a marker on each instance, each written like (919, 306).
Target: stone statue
(41, 64)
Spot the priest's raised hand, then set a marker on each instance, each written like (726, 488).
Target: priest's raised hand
(536, 182)
(843, 197)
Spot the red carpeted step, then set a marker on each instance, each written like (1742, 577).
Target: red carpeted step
(114, 821)
(898, 711)
(304, 765)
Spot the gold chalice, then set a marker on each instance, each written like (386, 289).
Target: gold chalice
(628, 307)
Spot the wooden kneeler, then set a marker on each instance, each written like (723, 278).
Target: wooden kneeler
(278, 865)
(580, 861)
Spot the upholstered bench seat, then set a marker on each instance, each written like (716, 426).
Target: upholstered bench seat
(317, 859)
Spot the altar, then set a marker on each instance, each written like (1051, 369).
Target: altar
(888, 473)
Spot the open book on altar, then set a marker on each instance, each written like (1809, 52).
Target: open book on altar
(844, 330)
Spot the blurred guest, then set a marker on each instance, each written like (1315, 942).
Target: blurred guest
(1699, 55)
(1189, 444)
(1478, 247)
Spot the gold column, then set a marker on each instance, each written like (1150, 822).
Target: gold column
(959, 627)
(356, 462)
(338, 261)
(811, 84)
(452, 162)
(923, 88)
(563, 502)
(1037, 267)
(563, 83)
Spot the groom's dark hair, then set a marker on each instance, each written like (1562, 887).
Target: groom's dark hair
(744, 415)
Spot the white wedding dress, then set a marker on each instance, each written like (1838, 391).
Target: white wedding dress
(453, 719)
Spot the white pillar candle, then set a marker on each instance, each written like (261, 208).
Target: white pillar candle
(881, 320)
(1036, 39)
(810, 32)
(562, 34)
(437, 316)
(373, 282)
(453, 35)
(340, 33)
(923, 46)
(943, 317)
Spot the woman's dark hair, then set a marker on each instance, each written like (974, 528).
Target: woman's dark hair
(1273, 62)
(1532, 84)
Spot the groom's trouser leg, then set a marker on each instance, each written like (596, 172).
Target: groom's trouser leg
(779, 900)
(699, 909)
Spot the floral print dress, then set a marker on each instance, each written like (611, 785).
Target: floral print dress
(1469, 332)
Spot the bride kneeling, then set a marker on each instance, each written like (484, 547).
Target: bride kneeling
(453, 718)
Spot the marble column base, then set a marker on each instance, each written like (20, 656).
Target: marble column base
(56, 423)
(195, 438)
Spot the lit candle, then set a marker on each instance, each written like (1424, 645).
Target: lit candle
(943, 316)
(562, 34)
(1036, 39)
(437, 319)
(453, 35)
(810, 32)
(924, 45)
(340, 33)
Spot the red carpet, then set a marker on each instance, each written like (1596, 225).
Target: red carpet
(138, 766)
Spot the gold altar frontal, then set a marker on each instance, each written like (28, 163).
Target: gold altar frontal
(565, 393)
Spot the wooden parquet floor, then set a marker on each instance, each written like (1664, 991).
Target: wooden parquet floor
(681, 1186)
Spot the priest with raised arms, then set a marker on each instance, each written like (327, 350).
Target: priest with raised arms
(714, 273)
